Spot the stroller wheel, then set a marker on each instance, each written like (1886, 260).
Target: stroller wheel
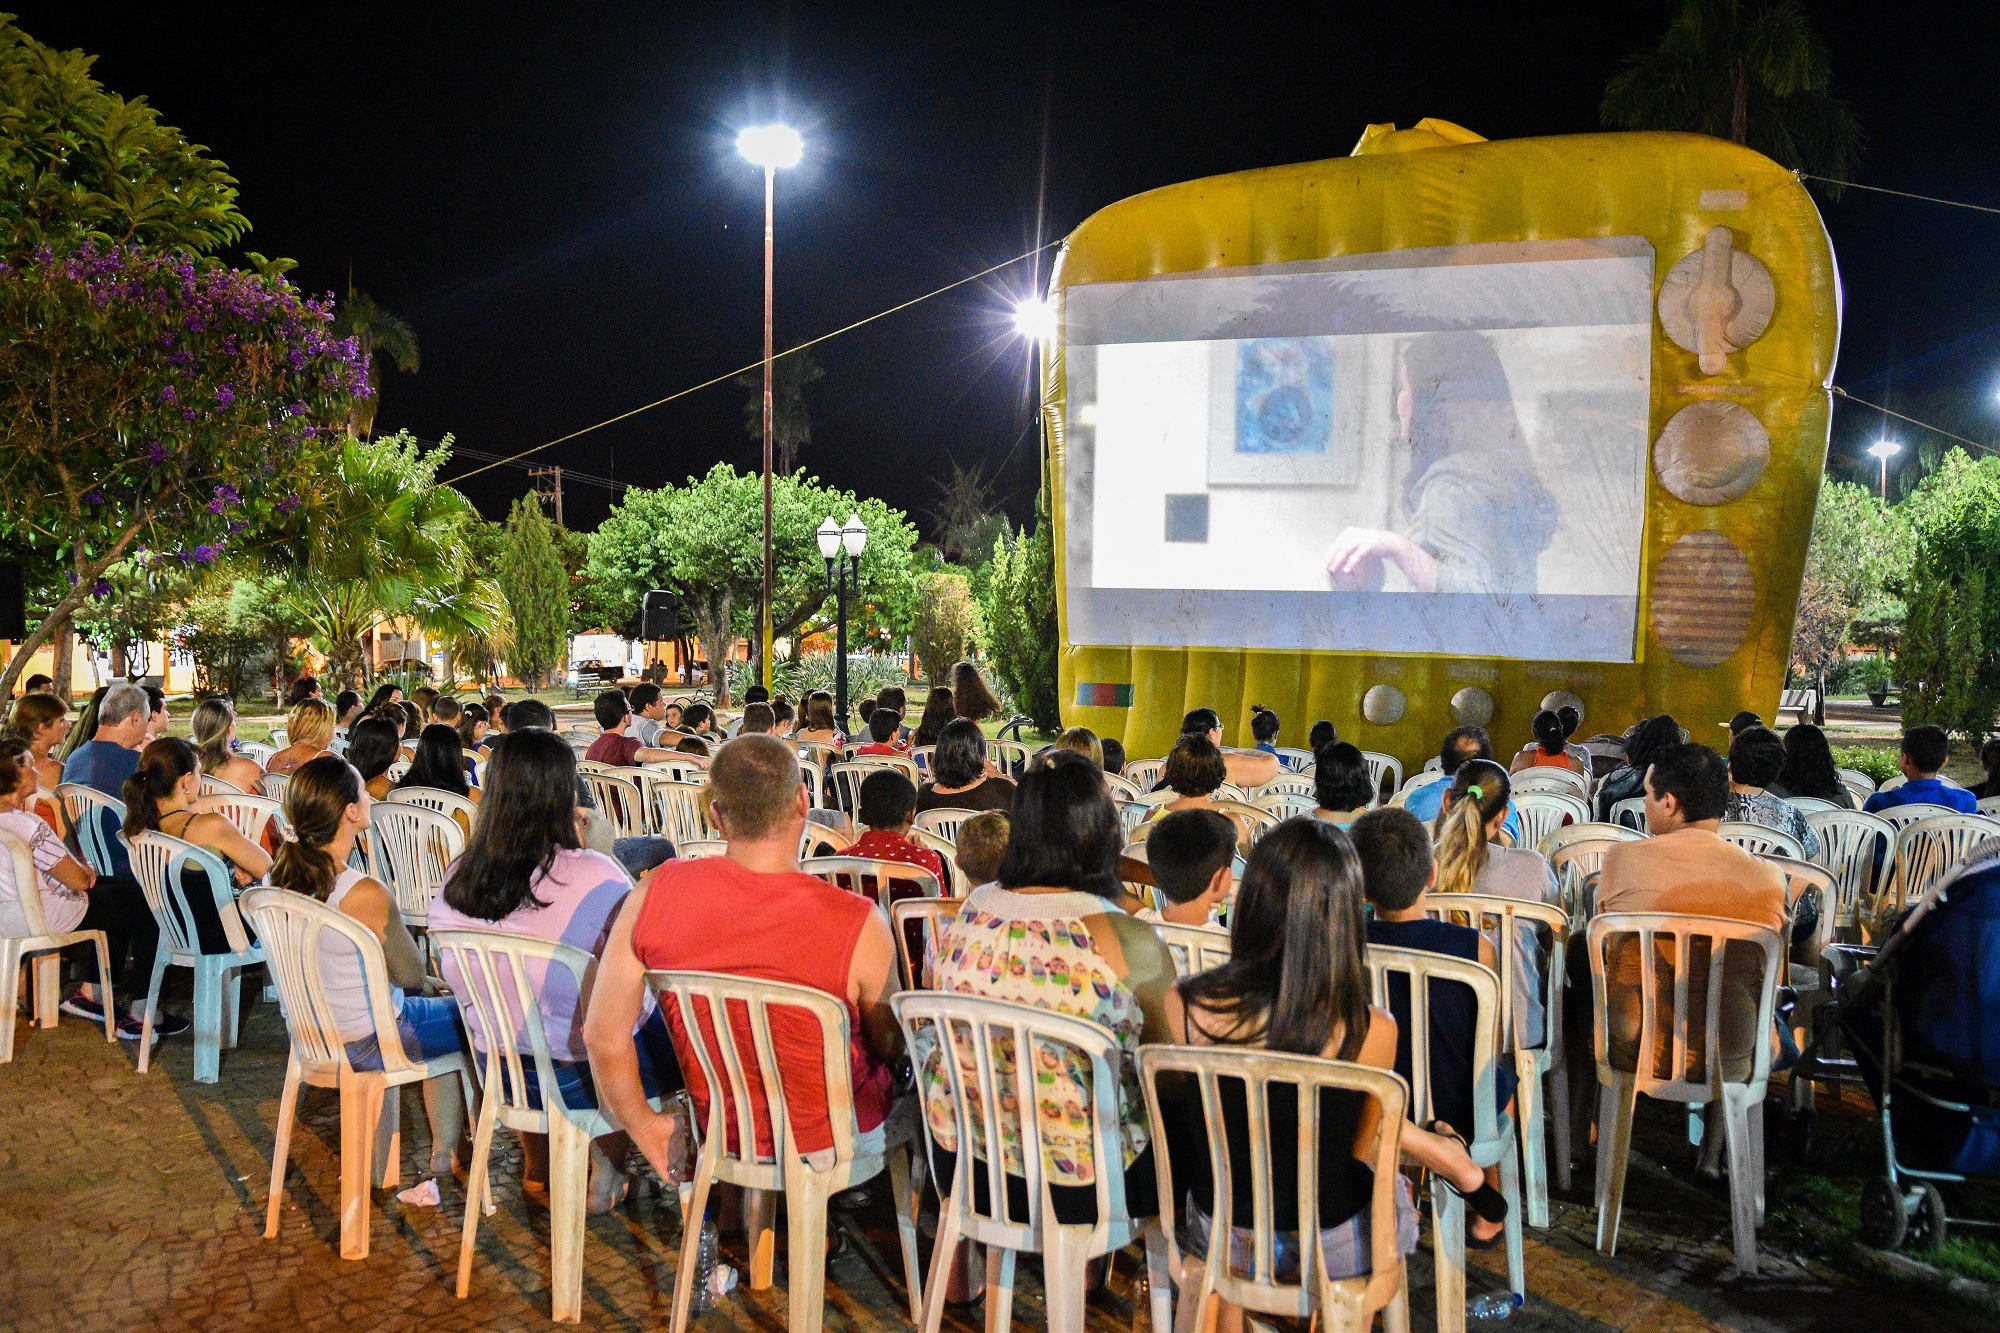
(1927, 1220)
(1884, 1218)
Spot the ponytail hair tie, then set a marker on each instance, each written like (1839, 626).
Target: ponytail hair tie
(287, 834)
(1473, 791)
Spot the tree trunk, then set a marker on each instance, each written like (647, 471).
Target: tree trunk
(711, 627)
(65, 663)
(88, 571)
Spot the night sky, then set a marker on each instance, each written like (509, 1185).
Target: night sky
(552, 198)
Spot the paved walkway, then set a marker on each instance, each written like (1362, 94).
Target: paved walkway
(131, 1202)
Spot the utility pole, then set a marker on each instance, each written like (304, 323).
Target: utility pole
(548, 489)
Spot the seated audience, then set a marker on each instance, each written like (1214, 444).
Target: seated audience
(525, 872)
(447, 711)
(1647, 738)
(473, 725)
(1756, 758)
(1925, 750)
(1046, 934)
(649, 714)
(883, 726)
(1190, 853)
(888, 808)
(1264, 728)
(758, 720)
(896, 701)
(213, 728)
(85, 730)
(160, 797)
(937, 712)
(372, 746)
(1551, 749)
(327, 809)
(1245, 769)
(304, 688)
(158, 721)
(42, 720)
(672, 720)
(1323, 733)
(1084, 741)
(39, 684)
(1571, 719)
(494, 703)
(1343, 790)
(616, 745)
(1397, 870)
(1114, 755)
(1461, 745)
(425, 699)
(346, 712)
(1304, 992)
(1742, 722)
(440, 764)
(782, 717)
(1471, 860)
(309, 730)
(384, 695)
(959, 780)
(412, 717)
(694, 745)
(698, 719)
(820, 727)
(1989, 761)
(637, 854)
(1810, 771)
(982, 841)
(751, 913)
(971, 698)
(1193, 771)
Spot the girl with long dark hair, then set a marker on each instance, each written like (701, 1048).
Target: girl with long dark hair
(1648, 738)
(937, 712)
(971, 697)
(161, 797)
(959, 777)
(1809, 768)
(440, 763)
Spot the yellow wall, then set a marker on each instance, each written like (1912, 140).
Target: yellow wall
(1668, 188)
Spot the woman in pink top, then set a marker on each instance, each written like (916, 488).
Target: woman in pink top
(525, 871)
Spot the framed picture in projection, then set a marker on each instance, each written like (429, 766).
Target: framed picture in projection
(1282, 412)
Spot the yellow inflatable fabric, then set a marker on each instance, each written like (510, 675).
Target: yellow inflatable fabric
(1690, 197)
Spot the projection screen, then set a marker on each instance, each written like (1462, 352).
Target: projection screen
(1429, 451)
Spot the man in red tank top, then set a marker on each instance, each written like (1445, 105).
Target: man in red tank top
(750, 913)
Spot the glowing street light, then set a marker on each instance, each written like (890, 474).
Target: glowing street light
(1882, 451)
(843, 575)
(1035, 319)
(772, 147)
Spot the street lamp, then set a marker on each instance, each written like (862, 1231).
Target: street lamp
(841, 548)
(770, 147)
(1882, 451)
(1035, 319)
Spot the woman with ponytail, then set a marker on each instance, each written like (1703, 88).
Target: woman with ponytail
(1471, 860)
(327, 808)
(160, 797)
(214, 729)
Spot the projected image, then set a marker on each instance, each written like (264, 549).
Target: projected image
(1428, 451)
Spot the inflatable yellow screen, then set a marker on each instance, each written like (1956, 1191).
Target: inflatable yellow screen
(1443, 432)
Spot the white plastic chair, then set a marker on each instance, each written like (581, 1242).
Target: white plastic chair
(620, 801)
(1929, 848)
(1990, 806)
(1541, 813)
(1144, 773)
(159, 862)
(281, 738)
(1618, 1090)
(44, 948)
(1808, 805)
(291, 927)
(1283, 785)
(1293, 760)
(1339, 1305)
(1423, 779)
(1010, 757)
(1194, 948)
(86, 809)
(438, 799)
(413, 846)
(1762, 839)
(1562, 781)
(695, 849)
(921, 757)
(1902, 816)
(679, 809)
(1853, 844)
(1510, 917)
(715, 1047)
(1630, 813)
(497, 979)
(845, 778)
(1576, 851)
(259, 755)
(684, 768)
(1287, 804)
(871, 876)
(1252, 821)
(1492, 1139)
(944, 821)
(933, 914)
(250, 814)
(1381, 766)
(1121, 789)
(397, 771)
(273, 785)
(1854, 777)
(977, 1026)
(212, 785)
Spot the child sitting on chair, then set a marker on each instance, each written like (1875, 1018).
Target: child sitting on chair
(982, 841)
(883, 724)
(888, 808)
(1191, 854)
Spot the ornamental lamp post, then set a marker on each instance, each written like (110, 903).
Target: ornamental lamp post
(770, 147)
(841, 548)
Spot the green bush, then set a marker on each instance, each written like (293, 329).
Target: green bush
(1880, 765)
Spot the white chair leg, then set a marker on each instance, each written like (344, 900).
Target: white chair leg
(1510, 1189)
(104, 985)
(1396, 1314)
(805, 1253)
(388, 1160)
(942, 1253)
(152, 1008)
(48, 988)
(361, 1098)
(906, 1201)
(1534, 1141)
(208, 1019)
(478, 1184)
(1559, 1117)
(999, 1285)
(761, 1235)
(1065, 1254)
(1159, 1279)
(1745, 1182)
(281, 1151)
(232, 1006)
(1448, 1250)
(569, 1181)
(693, 1205)
(1615, 1104)
(10, 988)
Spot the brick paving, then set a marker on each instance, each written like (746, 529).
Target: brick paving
(131, 1202)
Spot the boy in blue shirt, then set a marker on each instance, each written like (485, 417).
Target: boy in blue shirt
(1925, 750)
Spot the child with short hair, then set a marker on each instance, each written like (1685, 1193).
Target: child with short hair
(982, 841)
(888, 808)
(883, 724)
(1191, 854)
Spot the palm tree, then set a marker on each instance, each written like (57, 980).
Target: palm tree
(791, 421)
(376, 330)
(1753, 73)
(965, 518)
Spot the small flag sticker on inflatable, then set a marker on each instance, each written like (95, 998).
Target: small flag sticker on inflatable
(1089, 695)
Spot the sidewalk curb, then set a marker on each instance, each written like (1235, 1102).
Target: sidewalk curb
(1903, 1268)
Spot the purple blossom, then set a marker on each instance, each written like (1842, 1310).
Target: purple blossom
(224, 395)
(101, 589)
(288, 504)
(204, 553)
(95, 497)
(167, 395)
(216, 506)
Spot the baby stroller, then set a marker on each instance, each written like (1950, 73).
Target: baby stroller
(1921, 1026)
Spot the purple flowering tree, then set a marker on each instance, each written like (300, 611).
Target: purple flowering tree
(155, 404)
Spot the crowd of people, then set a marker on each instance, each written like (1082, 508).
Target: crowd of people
(1050, 917)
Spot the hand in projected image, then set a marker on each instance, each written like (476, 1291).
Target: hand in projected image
(1354, 563)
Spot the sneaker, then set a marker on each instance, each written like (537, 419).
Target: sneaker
(82, 1006)
(166, 1025)
(131, 1029)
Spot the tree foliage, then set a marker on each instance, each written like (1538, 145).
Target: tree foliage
(1751, 71)
(536, 585)
(235, 629)
(1950, 660)
(1020, 618)
(945, 625)
(375, 332)
(791, 419)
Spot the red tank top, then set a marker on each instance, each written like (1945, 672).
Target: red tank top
(712, 915)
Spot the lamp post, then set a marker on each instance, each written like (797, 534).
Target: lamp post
(841, 547)
(1882, 451)
(770, 147)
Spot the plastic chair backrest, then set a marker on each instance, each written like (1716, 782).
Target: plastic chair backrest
(1121, 789)
(1252, 820)
(921, 757)
(1229, 791)
(1256, 1072)
(289, 927)
(1292, 760)
(1194, 948)
(397, 771)
(944, 821)
(1807, 805)
(1144, 773)
(1420, 968)
(413, 846)
(250, 814)
(1929, 848)
(815, 785)
(870, 876)
(1801, 878)
(1286, 804)
(1630, 812)
(700, 847)
(717, 1049)
(933, 913)
(846, 777)
(1561, 781)
(1762, 839)
(498, 980)
(1577, 853)
(1423, 779)
(212, 785)
(977, 1026)
(259, 755)
(1541, 813)
(619, 801)
(1507, 915)
(1285, 784)
(1854, 777)
(273, 785)
(1381, 766)
(1651, 930)
(157, 863)
(1852, 843)
(1902, 816)
(281, 737)
(1010, 757)
(27, 889)
(438, 799)
(85, 809)
(687, 768)
(680, 809)
(1990, 805)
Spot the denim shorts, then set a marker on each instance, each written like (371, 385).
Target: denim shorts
(428, 1025)
(1344, 1249)
(659, 1070)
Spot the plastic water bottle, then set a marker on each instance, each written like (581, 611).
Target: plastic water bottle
(704, 1265)
(1492, 1305)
